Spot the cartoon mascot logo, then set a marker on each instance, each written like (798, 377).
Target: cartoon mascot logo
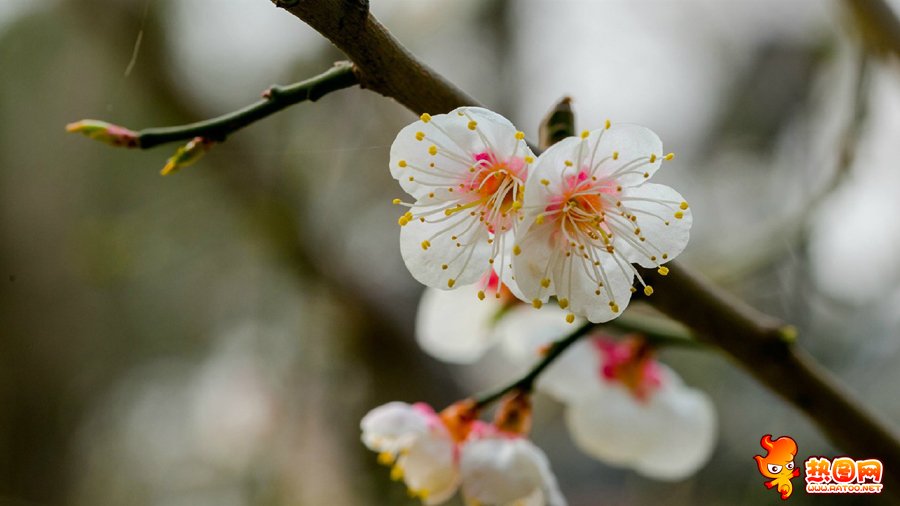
(778, 463)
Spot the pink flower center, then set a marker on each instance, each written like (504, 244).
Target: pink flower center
(629, 362)
(494, 187)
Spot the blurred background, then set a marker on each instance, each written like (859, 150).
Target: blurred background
(214, 337)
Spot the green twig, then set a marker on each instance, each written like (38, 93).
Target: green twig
(526, 383)
(274, 99)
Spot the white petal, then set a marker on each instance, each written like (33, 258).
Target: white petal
(455, 145)
(578, 280)
(454, 326)
(393, 426)
(429, 467)
(532, 264)
(667, 437)
(634, 145)
(465, 264)
(655, 207)
(502, 470)
(686, 434)
(609, 424)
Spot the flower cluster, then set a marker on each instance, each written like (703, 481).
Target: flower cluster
(436, 454)
(568, 224)
(623, 407)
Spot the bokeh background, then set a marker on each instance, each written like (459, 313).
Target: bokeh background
(214, 337)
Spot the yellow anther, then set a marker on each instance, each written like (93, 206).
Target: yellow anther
(520, 135)
(615, 155)
(472, 124)
(401, 163)
(540, 219)
(517, 250)
(425, 117)
(545, 182)
(412, 178)
(536, 303)
(395, 201)
(648, 290)
(529, 159)
(652, 158)
(396, 473)
(646, 175)
(669, 156)
(480, 294)
(684, 205)
(614, 307)
(585, 134)
(607, 124)
(563, 303)
(663, 270)
(451, 282)
(420, 136)
(385, 458)
(444, 266)
(568, 163)
(545, 282)
(432, 150)
(516, 205)
(679, 214)
(570, 318)
(425, 244)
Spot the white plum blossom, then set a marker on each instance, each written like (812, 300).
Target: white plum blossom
(506, 469)
(419, 446)
(588, 215)
(457, 326)
(436, 454)
(466, 171)
(622, 407)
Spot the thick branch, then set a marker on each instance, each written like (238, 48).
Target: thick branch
(383, 65)
(760, 343)
(274, 99)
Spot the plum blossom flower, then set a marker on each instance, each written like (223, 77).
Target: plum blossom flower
(507, 469)
(457, 326)
(436, 454)
(466, 171)
(588, 215)
(622, 406)
(419, 445)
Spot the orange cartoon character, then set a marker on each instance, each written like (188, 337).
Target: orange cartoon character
(778, 463)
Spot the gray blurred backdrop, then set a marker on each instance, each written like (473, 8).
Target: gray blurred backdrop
(213, 337)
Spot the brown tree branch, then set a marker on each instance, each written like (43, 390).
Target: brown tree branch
(763, 345)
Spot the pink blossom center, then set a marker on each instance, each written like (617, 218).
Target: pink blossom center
(629, 362)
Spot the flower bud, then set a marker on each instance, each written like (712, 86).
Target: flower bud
(107, 133)
(187, 155)
(514, 414)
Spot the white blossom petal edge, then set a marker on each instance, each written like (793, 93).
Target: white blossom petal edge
(466, 171)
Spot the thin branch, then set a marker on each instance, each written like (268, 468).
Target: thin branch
(274, 99)
(526, 382)
(763, 345)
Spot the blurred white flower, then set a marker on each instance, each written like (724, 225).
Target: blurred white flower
(437, 453)
(467, 171)
(457, 326)
(416, 442)
(588, 215)
(622, 407)
(506, 469)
